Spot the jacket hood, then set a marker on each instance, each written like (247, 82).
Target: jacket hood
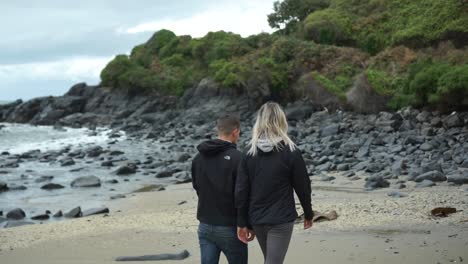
(214, 146)
(266, 145)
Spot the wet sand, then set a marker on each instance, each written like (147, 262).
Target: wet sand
(371, 228)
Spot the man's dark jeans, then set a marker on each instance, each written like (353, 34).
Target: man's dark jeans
(214, 239)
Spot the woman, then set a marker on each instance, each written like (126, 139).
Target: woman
(267, 175)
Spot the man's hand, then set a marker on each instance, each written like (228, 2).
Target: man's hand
(307, 224)
(245, 235)
(251, 235)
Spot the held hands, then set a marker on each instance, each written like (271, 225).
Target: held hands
(307, 224)
(245, 235)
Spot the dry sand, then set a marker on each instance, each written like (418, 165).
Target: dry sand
(371, 228)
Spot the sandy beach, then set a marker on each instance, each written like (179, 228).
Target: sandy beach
(371, 228)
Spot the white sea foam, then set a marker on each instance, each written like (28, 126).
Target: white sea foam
(19, 138)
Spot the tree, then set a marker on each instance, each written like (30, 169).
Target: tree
(289, 13)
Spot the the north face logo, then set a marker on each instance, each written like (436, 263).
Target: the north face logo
(227, 157)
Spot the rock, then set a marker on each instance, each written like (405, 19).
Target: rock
(118, 196)
(44, 178)
(183, 157)
(453, 120)
(458, 178)
(10, 224)
(166, 174)
(40, 217)
(363, 98)
(425, 183)
(330, 130)
(375, 182)
(74, 213)
(150, 188)
(113, 181)
(108, 163)
(342, 167)
(67, 162)
(396, 194)
(94, 151)
(299, 111)
(52, 186)
(130, 168)
(326, 178)
(182, 177)
(94, 211)
(425, 147)
(16, 214)
(58, 214)
(3, 187)
(116, 153)
(86, 181)
(435, 176)
(17, 187)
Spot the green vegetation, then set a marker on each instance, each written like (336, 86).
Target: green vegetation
(400, 45)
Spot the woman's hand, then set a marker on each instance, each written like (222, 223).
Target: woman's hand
(307, 224)
(245, 235)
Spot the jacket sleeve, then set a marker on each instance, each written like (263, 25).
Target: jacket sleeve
(241, 195)
(301, 184)
(194, 175)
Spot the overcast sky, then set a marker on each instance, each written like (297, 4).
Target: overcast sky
(48, 45)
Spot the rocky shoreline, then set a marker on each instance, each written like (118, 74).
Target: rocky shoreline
(386, 149)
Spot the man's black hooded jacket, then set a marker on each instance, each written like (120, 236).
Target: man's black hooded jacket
(214, 172)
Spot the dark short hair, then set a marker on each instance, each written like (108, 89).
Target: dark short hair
(227, 123)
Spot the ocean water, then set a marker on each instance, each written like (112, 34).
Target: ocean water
(20, 138)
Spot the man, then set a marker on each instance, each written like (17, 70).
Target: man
(214, 172)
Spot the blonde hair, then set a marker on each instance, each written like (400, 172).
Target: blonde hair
(271, 124)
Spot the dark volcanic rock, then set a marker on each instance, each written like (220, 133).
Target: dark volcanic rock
(435, 176)
(41, 217)
(127, 169)
(58, 214)
(10, 224)
(94, 151)
(86, 181)
(17, 187)
(3, 187)
(43, 179)
(182, 177)
(375, 182)
(67, 162)
(453, 120)
(16, 214)
(425, 183)
(52, 186)
(74, 213)
(183, 157)
(95, 211)
(458, 178)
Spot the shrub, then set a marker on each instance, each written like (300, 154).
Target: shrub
(159, 39)
(116, 67)
(328, 26)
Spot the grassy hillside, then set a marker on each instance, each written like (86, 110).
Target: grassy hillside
(413, 51)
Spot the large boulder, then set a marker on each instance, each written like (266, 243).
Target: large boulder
(16, 214)
(363, 98)
(86, 181)
(453, 120)
(94, 211)
(435, 176)
(3, 187)
(130, 168)
(308, 89)
(52, 186)
(74, 213)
